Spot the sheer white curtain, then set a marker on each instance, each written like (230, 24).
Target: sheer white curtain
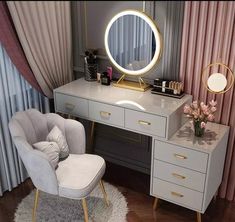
(15, 95)
(130, 39)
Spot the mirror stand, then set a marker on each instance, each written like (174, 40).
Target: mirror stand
(139, 86)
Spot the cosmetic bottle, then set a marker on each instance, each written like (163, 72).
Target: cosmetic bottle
(105, 79)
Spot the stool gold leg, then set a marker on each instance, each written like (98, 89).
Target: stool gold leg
(155, 204)
(84, 205)
(199, 218)
(35, 205)
(104, 193)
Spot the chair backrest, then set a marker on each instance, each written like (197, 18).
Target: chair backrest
(26, 128)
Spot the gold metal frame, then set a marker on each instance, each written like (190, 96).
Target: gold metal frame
(229, 71)
(140, 85)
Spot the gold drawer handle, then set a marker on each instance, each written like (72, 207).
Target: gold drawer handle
(182, 157)
(176, 194)
(105, 114)
(69, 106)
(178, 176)
(142, 122)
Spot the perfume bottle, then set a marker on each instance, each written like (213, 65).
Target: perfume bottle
(105, 79)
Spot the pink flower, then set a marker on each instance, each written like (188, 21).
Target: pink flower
(203, 124)
(204, 107)
(195, 104)
(213, 109)
(213, 103)
(211, 117)
(187, 109)
(202, 104)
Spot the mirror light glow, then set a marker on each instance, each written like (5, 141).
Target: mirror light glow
(156, 35)
(217, 82)
(129, 102)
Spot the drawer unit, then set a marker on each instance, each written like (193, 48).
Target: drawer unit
(179, 175)
(177, 194)
(105, 113)
(180, 156)
(145, 123)
(72, 105)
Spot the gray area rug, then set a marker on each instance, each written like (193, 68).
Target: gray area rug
(57, 209)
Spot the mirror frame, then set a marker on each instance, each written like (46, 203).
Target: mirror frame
(157, 35)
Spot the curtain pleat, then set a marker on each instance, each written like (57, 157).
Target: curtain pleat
(209, 36)
(10, 41)
(44, 30)
(15, 95)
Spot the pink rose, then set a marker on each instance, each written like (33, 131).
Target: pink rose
(211, 117)
(187, 109)
(213, 109)
(213, 103)
(203, 124)
(202, 104)
(204, 107)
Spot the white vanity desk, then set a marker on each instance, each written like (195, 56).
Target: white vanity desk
(185, 170)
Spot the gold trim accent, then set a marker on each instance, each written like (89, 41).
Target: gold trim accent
(229, 71)
(104, 193)
(131, 85)
(84, 205)
(176, 194)
(142, 122)
(178, 176)
(105, 114)
(92, 136)
(156, 203)
(35, 205)
(179, 156)
(199, 218)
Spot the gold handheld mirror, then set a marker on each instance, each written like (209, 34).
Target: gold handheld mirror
(133, 44)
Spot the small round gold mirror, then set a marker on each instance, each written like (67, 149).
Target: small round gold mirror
(217, 78)
(133, 44)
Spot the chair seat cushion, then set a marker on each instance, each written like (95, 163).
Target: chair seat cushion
(78, 175)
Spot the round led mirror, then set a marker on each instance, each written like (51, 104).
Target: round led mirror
(133, 43)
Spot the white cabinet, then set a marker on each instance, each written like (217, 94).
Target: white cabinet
(187, 170)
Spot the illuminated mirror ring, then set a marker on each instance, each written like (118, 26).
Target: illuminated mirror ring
(157, 37)
(217, 82)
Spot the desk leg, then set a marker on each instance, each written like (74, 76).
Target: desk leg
(92, 137)
(199, 217)
(155, 204)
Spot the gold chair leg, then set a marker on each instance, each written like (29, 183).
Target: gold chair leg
(155, 204)
(92, 137)
(35, 205)
(104, 193)
(199, 218)
(84, 205)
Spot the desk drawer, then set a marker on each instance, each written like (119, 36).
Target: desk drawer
(145, 123)
(106, 113)
(179, 175)
(71, 105)
(177, 194)
(180, 156)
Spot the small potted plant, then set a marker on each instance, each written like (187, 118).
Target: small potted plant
(200, 114)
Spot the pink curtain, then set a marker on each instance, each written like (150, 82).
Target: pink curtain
(209, 36)
(10, 41)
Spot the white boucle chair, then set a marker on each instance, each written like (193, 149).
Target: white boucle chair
(76, 176)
